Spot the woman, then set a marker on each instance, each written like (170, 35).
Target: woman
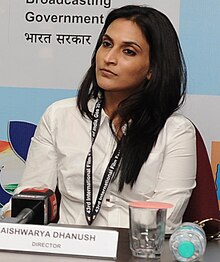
(121, 139)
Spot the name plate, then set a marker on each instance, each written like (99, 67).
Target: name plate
(79, 241)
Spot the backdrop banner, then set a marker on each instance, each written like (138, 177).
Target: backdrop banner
(49, 43)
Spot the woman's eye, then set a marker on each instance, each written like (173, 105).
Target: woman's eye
(129, 52)
(106, 43)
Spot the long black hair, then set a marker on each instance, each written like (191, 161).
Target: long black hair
(147, 109)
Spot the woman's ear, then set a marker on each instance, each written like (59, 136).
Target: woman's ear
(149, 74)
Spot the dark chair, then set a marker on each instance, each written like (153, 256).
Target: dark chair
(203, 202)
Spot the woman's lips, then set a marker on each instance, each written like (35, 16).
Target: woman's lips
(107, 72)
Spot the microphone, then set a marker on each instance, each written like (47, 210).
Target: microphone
(33, 206)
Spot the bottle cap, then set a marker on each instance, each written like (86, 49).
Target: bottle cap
(186, 249)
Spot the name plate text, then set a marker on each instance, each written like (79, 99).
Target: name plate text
(80, 241)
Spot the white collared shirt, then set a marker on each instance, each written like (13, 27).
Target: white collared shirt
(59, 148)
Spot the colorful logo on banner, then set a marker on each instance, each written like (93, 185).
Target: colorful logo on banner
(218, 181)
(13, 154)
(215, 161)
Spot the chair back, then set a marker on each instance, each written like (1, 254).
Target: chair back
(203, 202)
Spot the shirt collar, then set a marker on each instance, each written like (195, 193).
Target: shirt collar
(104, 116)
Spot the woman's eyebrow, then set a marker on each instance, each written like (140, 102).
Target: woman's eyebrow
(124, 42)
(107, 36)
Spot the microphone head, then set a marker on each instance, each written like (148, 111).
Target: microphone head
(41, 200)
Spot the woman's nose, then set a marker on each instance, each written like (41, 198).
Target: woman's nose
(111, 57)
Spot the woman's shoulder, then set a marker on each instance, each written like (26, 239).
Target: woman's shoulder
(60, 108)
(177, 128)
(178, 124)
(66, 102)
(61, 105)
(178, 120)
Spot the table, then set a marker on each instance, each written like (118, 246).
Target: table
(212, 254)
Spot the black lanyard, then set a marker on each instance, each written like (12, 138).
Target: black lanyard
(91, 211)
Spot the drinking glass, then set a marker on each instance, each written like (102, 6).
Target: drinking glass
(147, 228)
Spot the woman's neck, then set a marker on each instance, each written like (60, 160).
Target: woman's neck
(111, 103)
(112, 100)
